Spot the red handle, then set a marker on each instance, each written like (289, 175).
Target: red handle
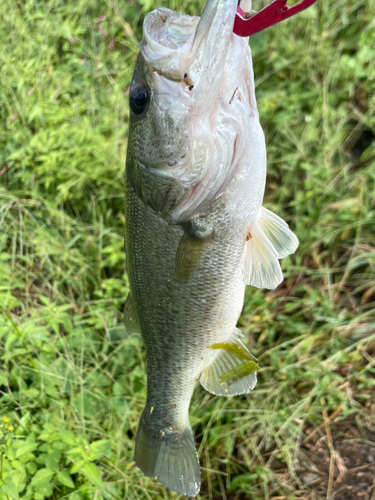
(275, 12)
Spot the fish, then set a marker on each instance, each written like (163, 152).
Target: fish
(196, 229)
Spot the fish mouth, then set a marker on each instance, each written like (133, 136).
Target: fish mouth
(186, 48)
(166, 39)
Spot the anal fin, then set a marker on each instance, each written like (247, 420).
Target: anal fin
(233, 371)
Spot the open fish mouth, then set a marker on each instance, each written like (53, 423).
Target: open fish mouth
(167, 36)
(188, 48)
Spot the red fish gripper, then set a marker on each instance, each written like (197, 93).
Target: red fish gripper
(278, 10)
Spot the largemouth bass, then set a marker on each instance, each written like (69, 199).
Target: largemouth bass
(196, 231)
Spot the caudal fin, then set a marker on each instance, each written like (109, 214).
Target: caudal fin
(170, 456)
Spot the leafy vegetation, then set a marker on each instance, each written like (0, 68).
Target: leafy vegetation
(72, 381)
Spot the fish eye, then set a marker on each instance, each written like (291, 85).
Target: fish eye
(138, 99)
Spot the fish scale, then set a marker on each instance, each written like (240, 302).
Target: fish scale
(196, 231)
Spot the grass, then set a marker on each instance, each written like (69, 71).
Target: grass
(72, 382)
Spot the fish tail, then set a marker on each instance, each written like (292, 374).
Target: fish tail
(170, 456)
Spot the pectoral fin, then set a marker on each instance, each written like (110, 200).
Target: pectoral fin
(268, 240)
(284, 241)
(261, 267)
(130, 319)
(233, 371)
(189, 253)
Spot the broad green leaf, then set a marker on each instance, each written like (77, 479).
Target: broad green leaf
(32, 468)
(44, 489)
(51, 463)
(59, 445)
(98, 448)
(75, 496)
(93, 473)
(64, 478)
(52, 391)
(42, 477)
(18, 465)
(77, 467)
(9, 488)
(55, 454)
(67, 436)
(90, 404)
(78, 450)
(25, 449)
(18, 478)
(32, 393)
(11, 454)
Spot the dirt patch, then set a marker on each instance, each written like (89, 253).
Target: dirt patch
(337, 460)
(332, 461)
(347, 469)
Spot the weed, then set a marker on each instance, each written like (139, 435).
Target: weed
(72, 381)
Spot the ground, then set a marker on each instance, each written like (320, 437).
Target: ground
(337, 459)
(72, 380)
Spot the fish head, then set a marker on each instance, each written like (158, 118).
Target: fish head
(187, 124)
(159, 99)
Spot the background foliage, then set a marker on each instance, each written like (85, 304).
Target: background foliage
(72, 381)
